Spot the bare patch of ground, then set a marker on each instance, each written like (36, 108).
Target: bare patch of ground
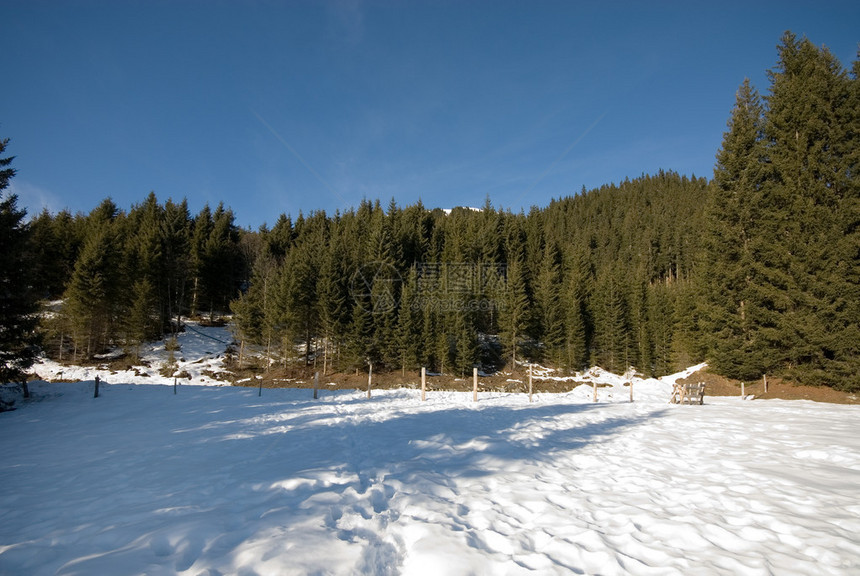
(499, 382)
(716, 385)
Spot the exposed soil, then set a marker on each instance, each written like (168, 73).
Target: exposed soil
(501, 382)
(716, 385)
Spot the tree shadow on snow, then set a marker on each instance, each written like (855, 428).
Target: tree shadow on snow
(224, 474)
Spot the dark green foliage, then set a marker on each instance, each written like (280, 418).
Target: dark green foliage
(408, 287)
(216, 266)
(447, 291)
(513, 300)
(613, 346)
(18, 305)
(128, 278)
(56, 242)
(409, 323)
(734, 267)
(549, 304)
(780, 279)
(93, 298)
(141, 321)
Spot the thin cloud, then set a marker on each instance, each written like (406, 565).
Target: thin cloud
(34, 198)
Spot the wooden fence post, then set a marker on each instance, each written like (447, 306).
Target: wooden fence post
(530, 381)
(96, 395)
(316, 383)
(594, 384)
(475, 384)
(369, 378)
(423, 383)
(631, 389)
(743, 395)
(174, 385)
(765, 383)
(260, 392)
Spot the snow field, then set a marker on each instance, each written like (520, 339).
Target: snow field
(216, 480)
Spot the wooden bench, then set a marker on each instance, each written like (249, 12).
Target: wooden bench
(688, 393)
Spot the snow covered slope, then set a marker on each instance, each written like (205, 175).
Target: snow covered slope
(216, 480)
(201, 351)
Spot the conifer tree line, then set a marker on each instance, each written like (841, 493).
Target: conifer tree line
(756, 271)
(125, 278)
(598, 278)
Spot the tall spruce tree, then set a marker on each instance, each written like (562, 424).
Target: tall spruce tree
(514, 308)
(780, 272)
(93, 299)
(332, 293)
(550, 314)
(612, 336)
(733, 275)
(18, 300)
(175, 241)
(409, 323)
(811, 136)
(578, 278)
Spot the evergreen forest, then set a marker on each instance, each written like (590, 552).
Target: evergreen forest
(756, 271)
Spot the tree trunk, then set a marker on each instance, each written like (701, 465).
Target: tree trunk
(325, 355)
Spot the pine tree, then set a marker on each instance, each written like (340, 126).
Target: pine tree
(203, 226)
(332, 291)
(300, 311)
(465, 344)
(409, 324)
(428, 303)
(780, 273)
(576, 332)
(142, 320)
(382, 282)
(733, 274)
(143, 271)
(256, 317)
(612, 338)
(175, 241)
(549, 305)
(642, 346)
(660, 316)
(811, 135)
(93, 298)
(18, 303)
(54, 250)
(513, 304)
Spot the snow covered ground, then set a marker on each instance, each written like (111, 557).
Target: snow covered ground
(217, 481)
(201, 353)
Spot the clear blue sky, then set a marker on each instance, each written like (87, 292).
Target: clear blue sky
(277, 107)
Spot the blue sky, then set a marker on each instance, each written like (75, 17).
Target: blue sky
(281, 107)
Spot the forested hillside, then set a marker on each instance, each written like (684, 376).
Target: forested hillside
(757, 271)
(603, 277)
(599, 278)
